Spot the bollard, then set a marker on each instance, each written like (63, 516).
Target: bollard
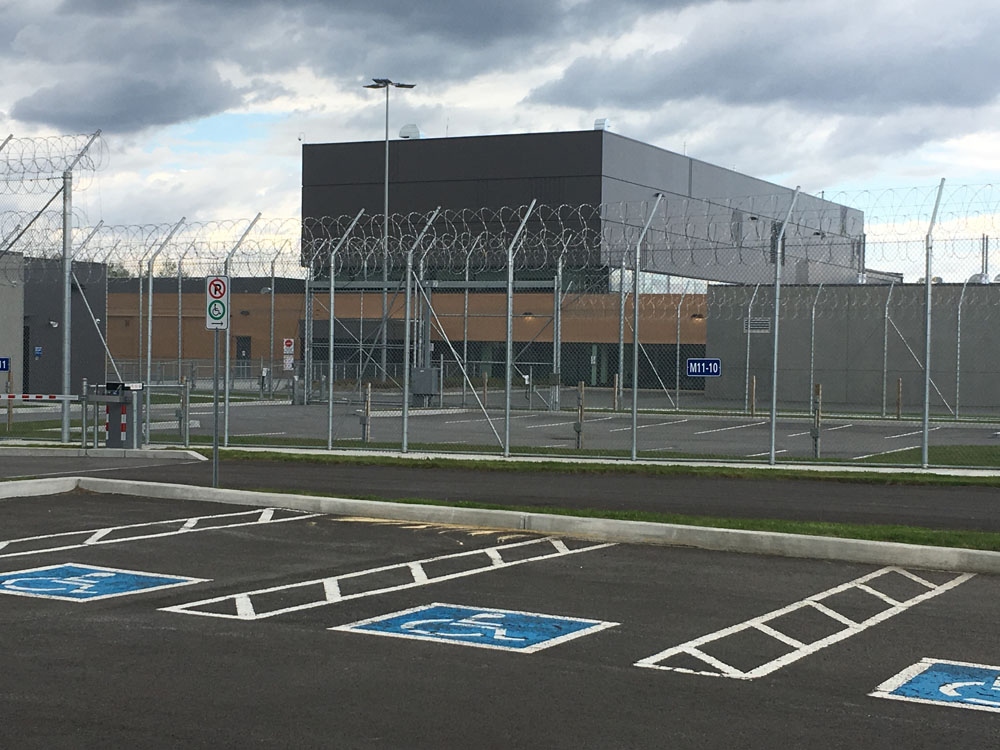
(366, 416)
(899, 398)
(486, 380)
(579, 415)
(186, 408)
(753, 396)
(817, 419)
(615, 402)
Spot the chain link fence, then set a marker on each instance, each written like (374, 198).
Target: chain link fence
(764, 328)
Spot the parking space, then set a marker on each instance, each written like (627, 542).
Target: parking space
(741, 436)
(181, 622)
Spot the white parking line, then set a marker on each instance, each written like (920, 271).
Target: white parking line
(734, 427)
(885, 453)
(909, 434)
(92, 537)
(825, 429)
(765, 453)
(244, 607)
(718, 668)
(644, 426)
(498, 418)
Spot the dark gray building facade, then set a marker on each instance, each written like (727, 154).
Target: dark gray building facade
(711, 223)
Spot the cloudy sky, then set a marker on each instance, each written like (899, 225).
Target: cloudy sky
(204, 103)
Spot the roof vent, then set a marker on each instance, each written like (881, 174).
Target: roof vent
(602, 123)
(410, 132)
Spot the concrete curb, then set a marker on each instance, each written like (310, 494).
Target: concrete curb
(165, 455)
(38, 487)
(804, 467)
(634, 532)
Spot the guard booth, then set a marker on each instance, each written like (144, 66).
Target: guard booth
(122, 413)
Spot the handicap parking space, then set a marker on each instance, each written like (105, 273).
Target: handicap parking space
(292, 628)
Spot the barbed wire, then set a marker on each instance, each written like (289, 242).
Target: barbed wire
(685, 241)
(35, 164)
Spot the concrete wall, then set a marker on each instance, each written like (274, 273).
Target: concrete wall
(848, 345)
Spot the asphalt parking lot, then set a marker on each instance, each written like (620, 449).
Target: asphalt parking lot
(282, 628)
(741, 436)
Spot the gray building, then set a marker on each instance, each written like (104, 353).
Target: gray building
(712, 223)
(42, 320)
(12, 320)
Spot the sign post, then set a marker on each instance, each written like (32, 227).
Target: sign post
(216, 319)
(5, 367)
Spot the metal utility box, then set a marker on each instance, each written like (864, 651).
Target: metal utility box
(123, 414)
(424, 381)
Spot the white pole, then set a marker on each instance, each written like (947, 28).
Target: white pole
(928, 258)
(635, 326)
(778, 260)
(229, 257)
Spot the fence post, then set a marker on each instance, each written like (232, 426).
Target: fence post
(366, 416)
(899, 398)
(779, 260)
(885, 344)
(557, 338)
(637, 264)
(83, 415)
(619, 392)
(509, 363)
(746, 386)
(817, 419)
(579, 415)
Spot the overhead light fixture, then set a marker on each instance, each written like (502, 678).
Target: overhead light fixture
(697, 316)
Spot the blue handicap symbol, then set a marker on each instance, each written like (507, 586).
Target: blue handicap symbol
(75, 582)
(971, 685)
(475, 626)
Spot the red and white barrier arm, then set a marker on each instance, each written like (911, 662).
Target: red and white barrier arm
(38, 397)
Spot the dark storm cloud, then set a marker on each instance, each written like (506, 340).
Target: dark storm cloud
(861, 66)
(125, 103)
(128, 66)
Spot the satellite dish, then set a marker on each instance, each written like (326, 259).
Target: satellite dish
(410, 132)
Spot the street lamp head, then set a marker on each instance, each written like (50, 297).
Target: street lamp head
(381, 83)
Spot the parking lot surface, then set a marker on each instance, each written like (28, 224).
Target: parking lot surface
(128, 621)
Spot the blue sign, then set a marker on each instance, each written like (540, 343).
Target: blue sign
(38, 352)
(503, 629)
(4, 364)
(79, 583)
(700, 367)
(953, 683)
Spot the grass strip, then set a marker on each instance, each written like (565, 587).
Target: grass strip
(978, 540)
(654, 470)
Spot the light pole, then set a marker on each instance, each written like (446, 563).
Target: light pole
(385, 83)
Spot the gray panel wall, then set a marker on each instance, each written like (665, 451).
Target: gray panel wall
(12, 318)
(849, 345)
(43, 303)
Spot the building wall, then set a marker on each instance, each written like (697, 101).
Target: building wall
(12, 320)
(585, 319)
(715, 223)
(43, 306)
